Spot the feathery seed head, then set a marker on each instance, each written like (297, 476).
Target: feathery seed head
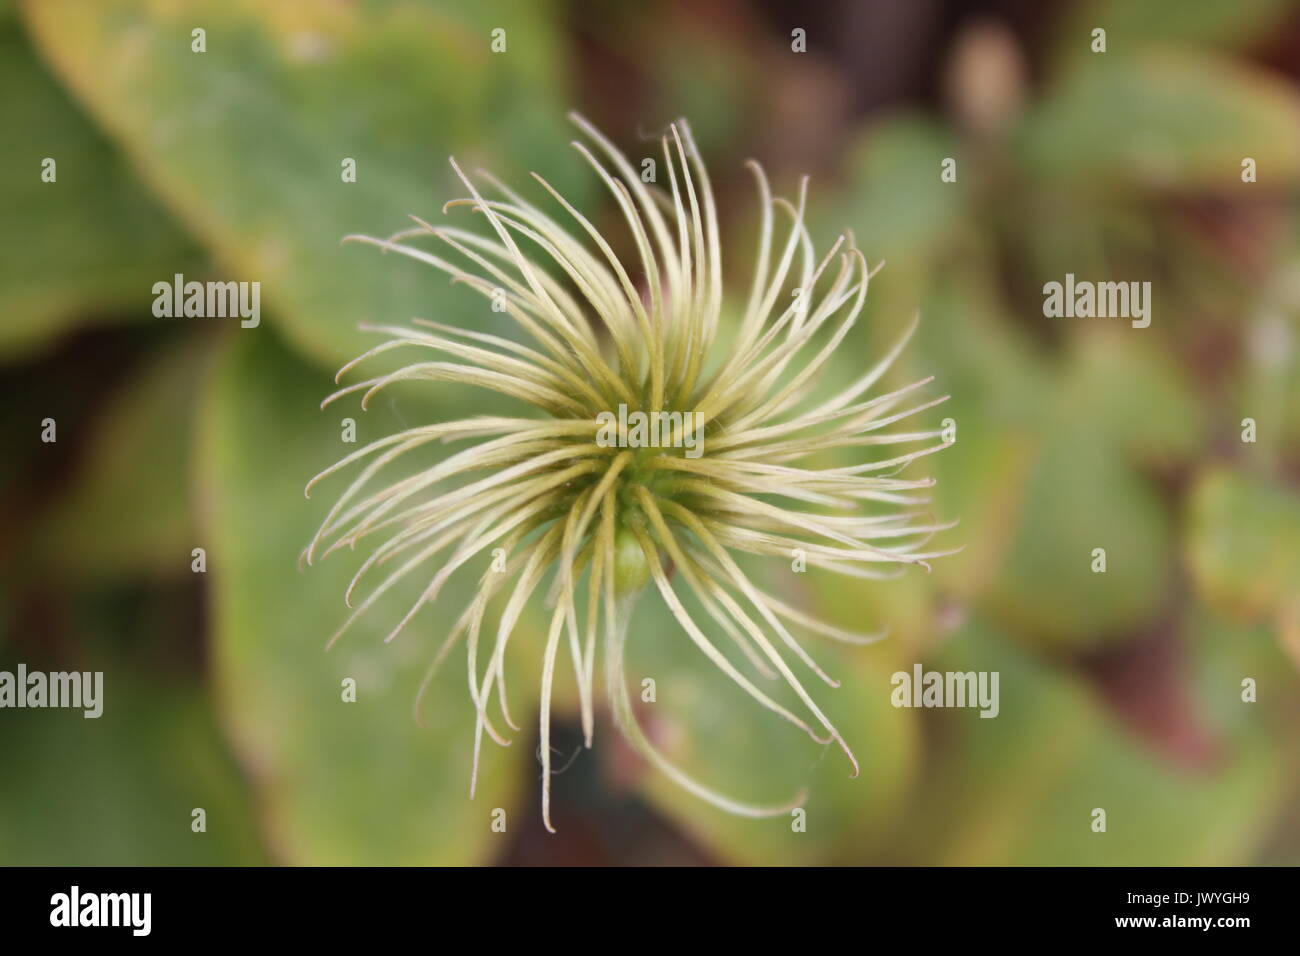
(644, 450)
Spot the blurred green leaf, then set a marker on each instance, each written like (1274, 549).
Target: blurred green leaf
(81, 248)
(1268, 380)
(1225, 654)
(1130, 25)
(356, 783)
(1139, 392)
(1020, 789)
(1244, 543)
(1083, 495)
(1228, 651)
(1165, 119)
(246, 140)
(120, 789)
(128, 511)
(1040, 474)
(897, 206)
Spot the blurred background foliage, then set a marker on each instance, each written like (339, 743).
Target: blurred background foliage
(1119, 690)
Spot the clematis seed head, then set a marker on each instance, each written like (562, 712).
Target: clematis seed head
(654, 443)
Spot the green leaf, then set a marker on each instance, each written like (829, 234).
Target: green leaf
(86, 247)
(1164, 119)
(1267, 386)
(1226, 654)
(1020, 789)
(1083, 495)
(120, 789)
(246, 141)
(1133, 385)
(1131, 25)
(128, 510)
(354, 783)
(897, 205)
(1244, 544)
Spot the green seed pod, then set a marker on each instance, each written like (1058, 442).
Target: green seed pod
(631, 570)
